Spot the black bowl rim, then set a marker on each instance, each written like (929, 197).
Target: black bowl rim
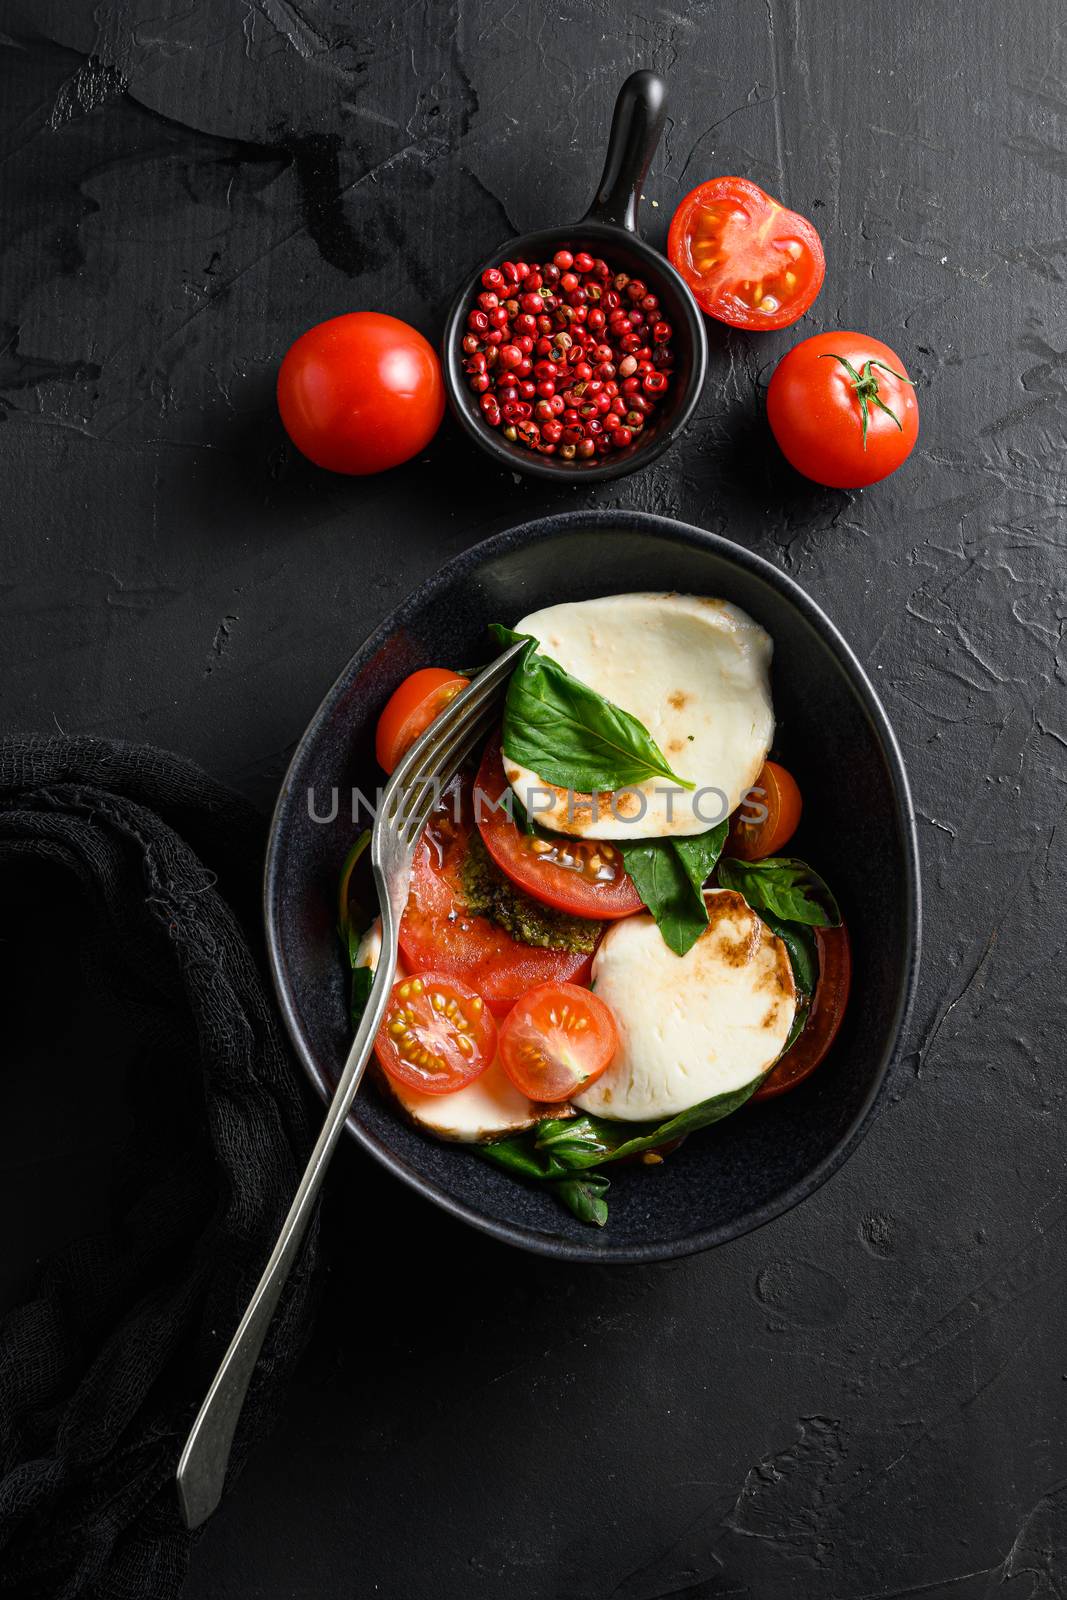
(499, 544)
(526, 461)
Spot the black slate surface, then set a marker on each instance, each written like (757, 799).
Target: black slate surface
(868, 1397)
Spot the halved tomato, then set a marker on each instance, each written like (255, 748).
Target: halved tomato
(439, 934)
(775, 793)
(556, 1041)
(437, 1034)
(581, 876)
(410, 709)
(748, 260)
(824, 1019)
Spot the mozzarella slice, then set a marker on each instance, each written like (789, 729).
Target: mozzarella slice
(489, 1108)
(693, 1026)
(696, 673)
(370, 949)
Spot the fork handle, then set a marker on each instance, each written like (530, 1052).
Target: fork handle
(202, 1468)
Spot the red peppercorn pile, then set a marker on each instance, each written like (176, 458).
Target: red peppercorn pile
(567, 357)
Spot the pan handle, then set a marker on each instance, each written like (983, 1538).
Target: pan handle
(640, 112)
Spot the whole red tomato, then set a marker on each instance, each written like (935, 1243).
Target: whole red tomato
(843, 409)
(361, 393)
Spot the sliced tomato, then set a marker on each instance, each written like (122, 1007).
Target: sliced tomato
(556, 1041)
(748, 260)
(824, 1019)
(584, 877)
(774, 793)
(439, 934)
(437, 1034)
(410, 709)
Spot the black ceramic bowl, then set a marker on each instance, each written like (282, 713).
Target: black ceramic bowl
(609, 229)
(858, 828)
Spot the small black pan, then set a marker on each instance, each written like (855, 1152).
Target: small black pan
(608, 229)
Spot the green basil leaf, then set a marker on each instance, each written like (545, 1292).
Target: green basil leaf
(594, 1141)
(669, 875)
(691, 1121)
(785, 887)
(362, 982)
(568, 734)
(557, 1150)
(351, 924)
(348, 927)
(570, 1140)
(585, 1197)
(803, 951)
(699, 854)
(799, 1023)
(521, 1156)
(667, 890)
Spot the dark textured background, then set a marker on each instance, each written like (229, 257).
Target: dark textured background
(867, 1399)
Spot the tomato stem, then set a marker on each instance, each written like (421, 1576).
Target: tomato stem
(865, 386)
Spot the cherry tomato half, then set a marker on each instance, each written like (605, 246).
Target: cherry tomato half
(843, 409)
(410, 709)
(824, 1019)
(361, 393)
(748, 260)
(583, 877)
(776, 792)
(556, 1041)
(437, 1034)
(439, 934)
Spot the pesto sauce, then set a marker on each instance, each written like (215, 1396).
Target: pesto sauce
(488, 893)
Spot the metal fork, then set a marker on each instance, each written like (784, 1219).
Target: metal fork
(402, 811)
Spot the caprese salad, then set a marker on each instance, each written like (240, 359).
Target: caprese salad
(604, 948)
